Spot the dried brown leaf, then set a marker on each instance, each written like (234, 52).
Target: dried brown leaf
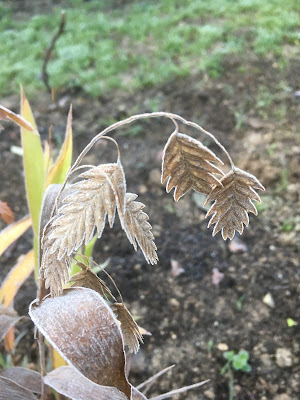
(232, 202)
(30, 380)
(83, 328)
(88, 279)
(10, 390)
(131, 333)
(138, 229)
(188, 165)
(6, 114)
(96, 196)
(6, 213)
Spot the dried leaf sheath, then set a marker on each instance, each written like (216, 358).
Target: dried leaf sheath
(188, 165)
(138, 229)
(129, 327)
(86, 208)
(232, 202)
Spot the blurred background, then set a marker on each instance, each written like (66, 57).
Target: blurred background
(231, 66)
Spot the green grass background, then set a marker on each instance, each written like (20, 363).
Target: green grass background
(143, 43)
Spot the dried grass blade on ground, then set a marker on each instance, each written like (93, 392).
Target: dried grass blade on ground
(232, 202)
(138, 229)
(178, 391)
(188, 165)
(87, 278)
(96, 196)
(130, 329)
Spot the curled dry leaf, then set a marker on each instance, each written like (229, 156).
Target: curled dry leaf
(6, 213)
(88, 279)
(129, 327)
(6, 115)
(138, 229)
(30, 380)
(188, 165)
(232, 202)
(69, 382)
(11, 390)
(95, 197)
(83, 328)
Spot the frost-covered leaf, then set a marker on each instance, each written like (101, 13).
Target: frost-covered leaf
(69, 382)
(187, 164)
(232, 202)
(10, 390)
(27, 378)
(83, 328)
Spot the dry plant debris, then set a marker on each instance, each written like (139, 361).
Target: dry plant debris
(81, 323)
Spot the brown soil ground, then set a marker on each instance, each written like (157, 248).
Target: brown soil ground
(192, 320)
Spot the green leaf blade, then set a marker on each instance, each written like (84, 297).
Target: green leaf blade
(33, 164)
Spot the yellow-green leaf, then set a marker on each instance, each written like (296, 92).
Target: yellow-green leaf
(12, 232)
(59, 169)
(47, 158)
(57, 359)
(15, 278)
(33, 164)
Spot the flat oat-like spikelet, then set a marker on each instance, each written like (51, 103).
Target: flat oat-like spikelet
(130, 329)
(55, 272)
(232, 202)
(138, 229)
(188, 165)
(96, 196)
(88, 279)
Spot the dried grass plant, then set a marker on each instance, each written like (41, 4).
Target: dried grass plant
(85, 323)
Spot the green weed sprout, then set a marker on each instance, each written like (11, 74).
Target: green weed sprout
(235, 362)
